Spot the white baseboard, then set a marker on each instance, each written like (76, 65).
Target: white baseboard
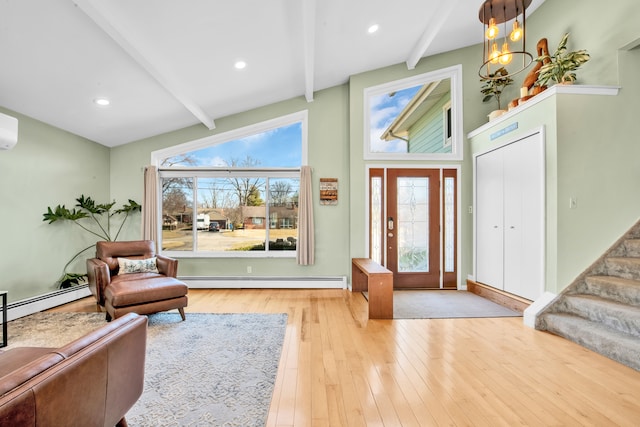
(49, 300)
(249, 282)
(531, 312)
(46, 301)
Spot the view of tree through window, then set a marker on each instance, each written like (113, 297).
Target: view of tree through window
(238, 195)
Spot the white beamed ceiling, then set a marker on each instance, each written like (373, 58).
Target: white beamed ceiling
(168, 64)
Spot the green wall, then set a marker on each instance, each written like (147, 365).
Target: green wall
(589, 130)
(46, 168)
(49, 166)
(591, 152)
(596, 144)
(327, 155)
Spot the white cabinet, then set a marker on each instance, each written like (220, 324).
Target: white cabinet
(510, 229)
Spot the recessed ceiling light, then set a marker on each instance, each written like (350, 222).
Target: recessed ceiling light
(103, 102)
(240, 65)
(373, 28)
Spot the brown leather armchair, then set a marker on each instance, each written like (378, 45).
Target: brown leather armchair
(137, 292)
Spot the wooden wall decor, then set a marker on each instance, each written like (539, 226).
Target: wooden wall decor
(328, 191)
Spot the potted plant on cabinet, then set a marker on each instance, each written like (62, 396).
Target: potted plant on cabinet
(492, 88)
(561, 66)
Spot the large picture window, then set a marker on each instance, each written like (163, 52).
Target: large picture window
(235, 194)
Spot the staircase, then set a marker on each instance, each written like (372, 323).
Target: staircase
(600, 310)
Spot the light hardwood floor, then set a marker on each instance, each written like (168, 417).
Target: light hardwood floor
(340, 369)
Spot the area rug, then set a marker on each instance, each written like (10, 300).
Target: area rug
(438, 304)
(210, 370)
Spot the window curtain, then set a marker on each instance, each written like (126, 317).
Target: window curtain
(305, 252)
(150, 205)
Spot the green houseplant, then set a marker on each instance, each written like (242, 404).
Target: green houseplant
(95, 219)
(561, 66)
(494, 84)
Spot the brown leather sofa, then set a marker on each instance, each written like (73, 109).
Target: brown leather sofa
(140, 292)
(92, 381)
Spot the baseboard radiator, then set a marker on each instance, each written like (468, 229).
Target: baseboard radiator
(63, 296)
(46, 301)
(256, 282)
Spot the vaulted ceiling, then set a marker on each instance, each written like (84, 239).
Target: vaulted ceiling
(168, 64)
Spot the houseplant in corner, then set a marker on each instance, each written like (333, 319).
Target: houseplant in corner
(492, 88)
(561, 66)
(89, 216)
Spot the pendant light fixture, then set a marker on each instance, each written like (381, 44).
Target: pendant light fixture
(492, 13)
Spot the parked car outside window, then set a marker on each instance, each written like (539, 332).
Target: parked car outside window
(214, 226)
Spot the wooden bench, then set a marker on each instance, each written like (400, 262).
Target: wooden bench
(368, 275)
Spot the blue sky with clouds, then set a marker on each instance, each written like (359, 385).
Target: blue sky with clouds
(281, 147)
(383, 109)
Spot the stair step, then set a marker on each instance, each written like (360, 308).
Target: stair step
(616, 345)
(632, 247)
(622, 317)
(611, 287)
(625, 267)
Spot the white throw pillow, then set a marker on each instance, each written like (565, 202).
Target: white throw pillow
(147, 265)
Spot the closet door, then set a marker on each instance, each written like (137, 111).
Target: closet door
(489, 219)
(524, 217)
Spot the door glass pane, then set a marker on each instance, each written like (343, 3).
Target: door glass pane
(177, 214)
(376, 219)
(413, 224)
(449, 225)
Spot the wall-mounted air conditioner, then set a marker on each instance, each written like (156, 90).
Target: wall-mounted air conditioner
(8, 132)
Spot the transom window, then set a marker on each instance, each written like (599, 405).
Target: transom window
(234, 194)
(417, 118)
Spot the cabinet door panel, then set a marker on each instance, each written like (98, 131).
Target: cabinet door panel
(489, 219)
(513, 226)
(524, 217)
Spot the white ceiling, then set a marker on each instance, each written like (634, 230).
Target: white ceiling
(169, 64)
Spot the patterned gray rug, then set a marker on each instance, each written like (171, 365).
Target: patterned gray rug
(211, 370)
(445, 304)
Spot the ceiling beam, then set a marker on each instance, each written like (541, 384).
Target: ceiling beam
(168, 84)
(309, 39)
(432, 28)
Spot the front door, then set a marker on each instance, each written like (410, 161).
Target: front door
(412, 228)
